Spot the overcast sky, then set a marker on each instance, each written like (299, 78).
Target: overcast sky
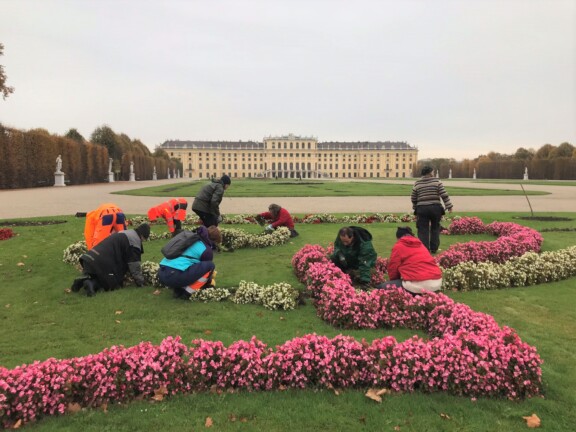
(456, 78)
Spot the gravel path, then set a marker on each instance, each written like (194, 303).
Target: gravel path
(54, 201)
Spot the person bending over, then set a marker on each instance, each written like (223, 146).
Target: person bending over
(277, 216)
(207, 202)
(355, 255)
(411, 266)
(172, 211)
(105, 265)
(100, 223)
(194, 268)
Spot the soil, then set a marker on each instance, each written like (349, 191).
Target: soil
(31, 223)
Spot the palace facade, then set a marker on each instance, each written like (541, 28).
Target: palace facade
(293, 156)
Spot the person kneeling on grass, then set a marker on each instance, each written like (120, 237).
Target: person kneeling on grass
(355, 255)
(194, 268)
(277, 216)
(411, 266)
(105, 265)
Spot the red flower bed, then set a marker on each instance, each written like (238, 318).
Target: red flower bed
(6, 233)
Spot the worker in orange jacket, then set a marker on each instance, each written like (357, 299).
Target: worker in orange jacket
(172, 211)
(100, 223)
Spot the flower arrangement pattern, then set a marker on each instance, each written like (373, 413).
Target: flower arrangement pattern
(466, 354)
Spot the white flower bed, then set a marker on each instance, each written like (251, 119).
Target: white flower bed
(279, 295)
(529, 269)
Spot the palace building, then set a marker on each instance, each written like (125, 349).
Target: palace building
(293, 156)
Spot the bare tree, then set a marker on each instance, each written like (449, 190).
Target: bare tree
(4, 89)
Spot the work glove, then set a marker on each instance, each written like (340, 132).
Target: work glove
(270, 228)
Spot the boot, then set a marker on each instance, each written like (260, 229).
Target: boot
(78, 283)
(91, 287)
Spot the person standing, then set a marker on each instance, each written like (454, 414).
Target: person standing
(105, 266)
(207, 202)
(411, 266)
(427, 196)
(277, 217)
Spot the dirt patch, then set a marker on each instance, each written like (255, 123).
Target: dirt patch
(32, 223)
(544, 218)
(299, 183)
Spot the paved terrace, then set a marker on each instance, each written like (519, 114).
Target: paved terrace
(55, 201)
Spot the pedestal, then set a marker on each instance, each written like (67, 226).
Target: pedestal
(59, 179)
(525, 176)
(154, 176)
(110, 177)
(132, 177)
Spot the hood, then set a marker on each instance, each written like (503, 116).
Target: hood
(411, 242)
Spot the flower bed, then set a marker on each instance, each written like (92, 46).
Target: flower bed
(6, 233)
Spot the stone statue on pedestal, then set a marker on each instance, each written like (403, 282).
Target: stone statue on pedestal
(59, 164)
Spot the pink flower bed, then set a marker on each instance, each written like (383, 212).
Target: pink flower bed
(466, 354)
(513, 240)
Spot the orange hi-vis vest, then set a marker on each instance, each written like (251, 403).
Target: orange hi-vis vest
(102, 222)
(166, 211)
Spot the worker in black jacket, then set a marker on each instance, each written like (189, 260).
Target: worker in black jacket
(105, 266)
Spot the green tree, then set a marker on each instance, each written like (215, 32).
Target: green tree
(524, 154)
(4, 88)
(104, 135)
(75, 135)
(544, 151)
(563, 150)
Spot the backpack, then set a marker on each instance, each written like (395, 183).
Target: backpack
(179, 243)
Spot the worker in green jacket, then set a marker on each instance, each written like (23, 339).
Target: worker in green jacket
(355, 255)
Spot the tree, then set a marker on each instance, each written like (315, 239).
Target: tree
(4, 89)
(104, 135)
(524, 154)
(563, 150)
(75, 135)
(544, 151)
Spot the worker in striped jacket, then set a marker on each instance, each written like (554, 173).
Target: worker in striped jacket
(427, 197)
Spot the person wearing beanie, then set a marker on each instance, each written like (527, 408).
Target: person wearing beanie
(411, 266)
(277, 216)
(207, 202)
(194, 268)
(354, 254)
(427, 196)
(105, 265)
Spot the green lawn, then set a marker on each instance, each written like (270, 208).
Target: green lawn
(41, 320)
(310, 188)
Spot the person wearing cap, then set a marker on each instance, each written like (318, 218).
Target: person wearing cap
(411, 266)
(100, 223)
(354, 254)
(194, 268)
(207, 202)
(172, 211)
(427, 196)
(105, 266)
(277, 216)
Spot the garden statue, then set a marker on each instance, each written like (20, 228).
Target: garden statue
(450, 173)
(526, 173)
(110, 165)
(474, 175)
(59, 164)
(131, 167)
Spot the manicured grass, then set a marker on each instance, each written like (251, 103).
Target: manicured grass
(310, 188)
(40, 320)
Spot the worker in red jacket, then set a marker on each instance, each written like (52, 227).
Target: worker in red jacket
(171, 212)
(411, 266)
(277, 216)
